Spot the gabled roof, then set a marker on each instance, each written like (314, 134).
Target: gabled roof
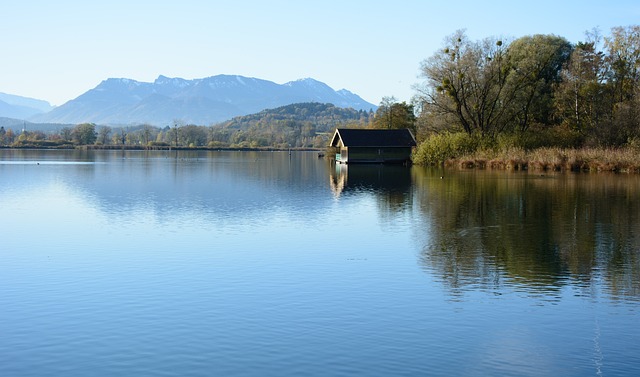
(373, 138)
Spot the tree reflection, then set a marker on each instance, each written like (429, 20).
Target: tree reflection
(540, 231)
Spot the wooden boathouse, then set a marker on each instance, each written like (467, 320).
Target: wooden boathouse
(375, 146)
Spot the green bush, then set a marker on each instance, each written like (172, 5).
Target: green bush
(217, 144)
(441, 147)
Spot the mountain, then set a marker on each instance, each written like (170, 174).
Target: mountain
(307, 125)
(12, 106)
(120, 101)
(17, 125)
(324, 117)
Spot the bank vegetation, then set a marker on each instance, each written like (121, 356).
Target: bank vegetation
(536, 102)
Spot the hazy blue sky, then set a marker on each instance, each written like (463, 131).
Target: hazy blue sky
(57, 50)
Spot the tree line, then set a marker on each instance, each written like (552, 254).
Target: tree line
(302, 125)
(539, 87)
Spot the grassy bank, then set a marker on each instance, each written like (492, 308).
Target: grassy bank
(625, 160)
(467, 152)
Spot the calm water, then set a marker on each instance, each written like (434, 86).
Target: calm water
(260, 264)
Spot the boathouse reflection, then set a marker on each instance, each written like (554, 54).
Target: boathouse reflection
(391, 184)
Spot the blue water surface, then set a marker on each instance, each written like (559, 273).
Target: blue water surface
(178, 263)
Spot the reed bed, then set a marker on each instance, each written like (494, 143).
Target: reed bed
(626, 160)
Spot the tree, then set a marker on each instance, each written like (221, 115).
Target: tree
(173, 134)
(394, 115)
(147, 132)
(535, 64)
(624, 56)
(383, 117)
(465, 85)
(584, 98)
(66, 134)
(85, 133)
(9, 136)
(489, 87)
(103, 134)
(193, 136)
(123, 136)
(37, 135)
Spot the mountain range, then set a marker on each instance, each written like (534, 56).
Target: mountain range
(121, 101)
(12, 106)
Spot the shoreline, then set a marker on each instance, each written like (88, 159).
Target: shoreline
(160, 148)
(586, 160)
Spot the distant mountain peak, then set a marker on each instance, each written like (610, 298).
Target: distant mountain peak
(118, 83)
(121, 80)
(175, 81)
(308, 81)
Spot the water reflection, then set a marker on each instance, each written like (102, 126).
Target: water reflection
(472, 230)
(249, 260)
(391, 185)
(370, 177)
(541, 232)
(173, 183)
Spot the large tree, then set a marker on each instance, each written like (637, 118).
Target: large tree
(66, 134)
(535, 64)
(103, 134)
(193, 136)
(624, 56)
(147, 133)
(465, 83)
(85, 133)
(394, 115)
(584, 98)
(488, 87)
(623, 48)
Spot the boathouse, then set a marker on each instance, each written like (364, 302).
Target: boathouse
(373, 146)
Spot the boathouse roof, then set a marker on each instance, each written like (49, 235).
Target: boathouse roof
(350, 137)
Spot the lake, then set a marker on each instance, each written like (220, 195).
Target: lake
(181, 263)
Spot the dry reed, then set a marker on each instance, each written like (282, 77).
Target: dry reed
(626, 160)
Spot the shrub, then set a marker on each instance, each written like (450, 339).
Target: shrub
(217, 144)
(441, 147)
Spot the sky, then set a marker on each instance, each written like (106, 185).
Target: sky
(57, 50)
